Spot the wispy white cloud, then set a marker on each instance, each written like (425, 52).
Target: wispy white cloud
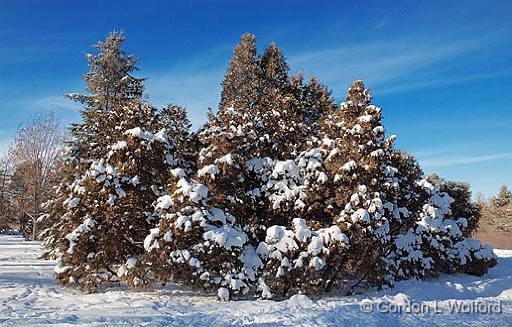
(464, 160)
(382, 23)
(383, 63)
(195, 81)
(27, 47)
(440, 81)
(433, 152)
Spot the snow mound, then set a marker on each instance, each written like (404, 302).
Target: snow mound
(300, 300)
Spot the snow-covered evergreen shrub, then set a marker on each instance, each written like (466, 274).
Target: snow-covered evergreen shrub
(276, 206)
(462, 205)
(219, 215)
(437, 243)
(300, 259)
(110, 209)
(355, 182)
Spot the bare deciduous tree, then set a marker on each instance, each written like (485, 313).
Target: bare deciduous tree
(6, 170)
(36, 152)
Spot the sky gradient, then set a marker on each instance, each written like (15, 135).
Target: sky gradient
(440, 70)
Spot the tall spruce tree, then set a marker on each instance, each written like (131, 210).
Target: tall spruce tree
(208, 230)
(351, 188)
(109, 82)
(384, 203)
(125, 160)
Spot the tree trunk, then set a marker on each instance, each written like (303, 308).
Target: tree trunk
(34, 229)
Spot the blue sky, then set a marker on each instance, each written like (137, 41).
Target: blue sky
(441, 70)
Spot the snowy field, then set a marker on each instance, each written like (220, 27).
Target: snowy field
(29, 296)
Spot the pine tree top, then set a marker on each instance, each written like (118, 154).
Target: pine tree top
(109, 80)
(274, 66)
(241, 75)
(358, 94)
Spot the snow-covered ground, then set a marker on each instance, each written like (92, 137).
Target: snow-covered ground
(29, 296)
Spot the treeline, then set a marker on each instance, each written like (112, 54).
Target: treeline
(280, 191)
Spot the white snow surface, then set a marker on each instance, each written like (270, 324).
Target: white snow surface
(29, 296)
